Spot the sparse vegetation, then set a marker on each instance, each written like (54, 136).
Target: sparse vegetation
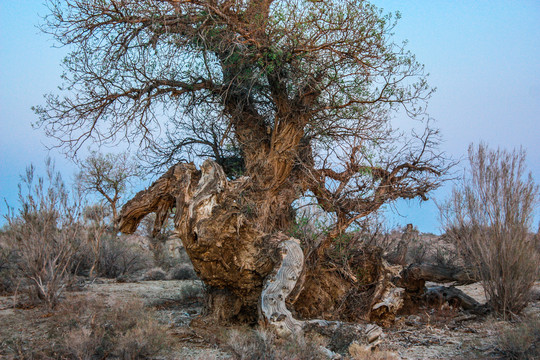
(8, 269)
(250, 344)
(183, 272)
(86, 328)
(275, 119)
(489, 219)
(520, 341)
(125, 331)
(43, 234)
(120, 258)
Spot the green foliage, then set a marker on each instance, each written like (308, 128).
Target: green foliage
(130, 64)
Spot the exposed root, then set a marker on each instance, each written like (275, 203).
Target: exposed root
(279, 285)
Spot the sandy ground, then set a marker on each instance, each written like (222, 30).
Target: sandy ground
(442, 333)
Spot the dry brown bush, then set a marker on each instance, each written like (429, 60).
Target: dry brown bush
(489, 219)
(8, 269)
(118, 330)
(87, 328)
(44, 234)
(249, 344)
(182, 272)
(119, 258)
(358, 352)
(521, 341)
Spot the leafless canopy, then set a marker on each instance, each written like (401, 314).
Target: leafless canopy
(296, 94)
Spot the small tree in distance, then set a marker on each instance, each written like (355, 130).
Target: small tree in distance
(107, 175)
(489, 218)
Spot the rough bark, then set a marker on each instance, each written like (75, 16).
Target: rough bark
(254, 274)
(217, 220)
(229, 253)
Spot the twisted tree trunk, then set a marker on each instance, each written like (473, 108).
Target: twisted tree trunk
(250, 271)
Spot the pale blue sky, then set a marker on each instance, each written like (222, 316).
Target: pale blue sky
(483, 57)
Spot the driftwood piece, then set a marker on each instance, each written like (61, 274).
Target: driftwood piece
(414, 278)
(451, 295)
(278, 286)
(438, 273)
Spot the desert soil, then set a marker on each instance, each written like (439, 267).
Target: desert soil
(441, 333)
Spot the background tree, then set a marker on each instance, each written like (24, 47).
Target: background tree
(295, 96)
(109, 176)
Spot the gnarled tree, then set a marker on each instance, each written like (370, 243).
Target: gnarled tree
(289, 100)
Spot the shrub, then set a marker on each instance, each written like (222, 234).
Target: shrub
(489, 219)
(521, 341)
(155, 274)
(8, 270)
(125, 331)
(119, 258)
(359, 352)
(263, 345)
(88, 328)
(191, 292)
(42, 234)
(183, 272)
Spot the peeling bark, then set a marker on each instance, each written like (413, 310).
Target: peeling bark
(254, 272)
(228, 251)
(278, 286)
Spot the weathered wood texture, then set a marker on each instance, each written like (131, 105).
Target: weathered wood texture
(278, 286)
(247, 268)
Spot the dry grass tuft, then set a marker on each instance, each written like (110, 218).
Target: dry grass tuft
(120, 330)
(521, 341)
(264, 345)
(359, 352)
